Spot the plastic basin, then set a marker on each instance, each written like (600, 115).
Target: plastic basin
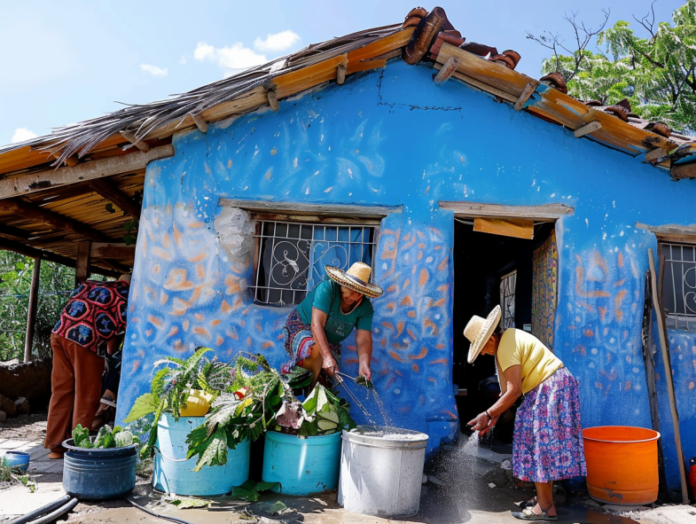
(302, 465)
(99, 474)
(622, 464)
(173, 473)
(16, 459)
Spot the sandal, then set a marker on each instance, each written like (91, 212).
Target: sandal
(528, 514)
(528, 503)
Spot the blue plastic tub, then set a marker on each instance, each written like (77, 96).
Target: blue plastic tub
(17, 459)
(99, 474)
(302, 465)
(173, 473)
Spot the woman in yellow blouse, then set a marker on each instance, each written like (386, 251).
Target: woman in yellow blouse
(547, 442)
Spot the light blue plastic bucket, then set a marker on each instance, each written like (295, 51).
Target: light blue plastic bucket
(174, 474)
(302, 465)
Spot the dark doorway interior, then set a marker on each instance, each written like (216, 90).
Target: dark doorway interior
(481, 262)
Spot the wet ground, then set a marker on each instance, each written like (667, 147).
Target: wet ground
(465, 484)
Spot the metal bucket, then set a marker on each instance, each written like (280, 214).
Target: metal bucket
(173, 473)
(382, 471)
(301, 465)
(621, 464)
(99, 474)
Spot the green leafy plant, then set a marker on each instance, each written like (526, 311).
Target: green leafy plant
(261, 399)
(170, 388)
(251, 489)
(106, 438)
(15, 475)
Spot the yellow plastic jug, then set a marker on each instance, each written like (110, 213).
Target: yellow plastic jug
(197, 404)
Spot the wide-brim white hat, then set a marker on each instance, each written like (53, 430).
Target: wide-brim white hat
(356, 278)
(479, 330)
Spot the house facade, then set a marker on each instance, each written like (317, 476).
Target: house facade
(389, 166)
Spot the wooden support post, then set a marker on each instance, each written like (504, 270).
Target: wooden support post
(341, 74)
(82, 263)
(272, 99)
(526, 95)
(587, 129)
(447, 70)
(664, 345)
(136, 142)
(31, 314)
(201, 124)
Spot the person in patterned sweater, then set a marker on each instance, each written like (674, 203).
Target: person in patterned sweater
(91, 325)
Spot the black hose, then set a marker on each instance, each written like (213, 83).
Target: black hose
(56, 513)
(159, 516)
(40, 511)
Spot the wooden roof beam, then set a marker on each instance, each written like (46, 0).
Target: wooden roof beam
(55, 220)
(27, 251)
(447, 70)
(139, 143)
(200, 122)
(52, 178)
(113, 194)
(587, 129)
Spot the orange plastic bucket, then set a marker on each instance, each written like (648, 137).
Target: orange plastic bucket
(622, 464)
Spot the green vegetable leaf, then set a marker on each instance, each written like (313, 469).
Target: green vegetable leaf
(80, 437)
(244, 494)
(144, 405)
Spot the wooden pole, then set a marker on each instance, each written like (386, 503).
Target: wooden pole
(649, 361)
(82, 263)
(668, 375)
(31, 315)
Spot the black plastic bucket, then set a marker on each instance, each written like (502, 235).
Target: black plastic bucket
(99, 474)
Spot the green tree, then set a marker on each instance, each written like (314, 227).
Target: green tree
(657, 74)
(57, 281)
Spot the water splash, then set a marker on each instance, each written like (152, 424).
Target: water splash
(387, 420)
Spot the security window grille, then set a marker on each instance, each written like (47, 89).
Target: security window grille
(679, 282)
(507, 299)
(292, 257)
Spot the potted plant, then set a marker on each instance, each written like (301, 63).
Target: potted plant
(179, 397)
(303, 439)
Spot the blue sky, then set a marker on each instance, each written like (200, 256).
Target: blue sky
(61, 62)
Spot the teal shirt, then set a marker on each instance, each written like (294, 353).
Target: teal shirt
(326, 297)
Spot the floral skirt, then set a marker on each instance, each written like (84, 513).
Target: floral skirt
(299, 342)
(547, 444)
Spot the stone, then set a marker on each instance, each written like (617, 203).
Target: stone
(425, 479)
(7, 406)
(22, 405)
(3, 416)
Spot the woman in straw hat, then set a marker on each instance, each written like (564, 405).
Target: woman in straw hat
(547, 443)
(314, 331)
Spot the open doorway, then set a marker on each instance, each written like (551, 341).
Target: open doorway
(490, 270)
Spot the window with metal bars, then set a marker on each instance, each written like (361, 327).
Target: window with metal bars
(507, 299)
(679, 280)
(292, 256)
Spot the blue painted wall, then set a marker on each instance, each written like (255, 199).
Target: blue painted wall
(393, 138)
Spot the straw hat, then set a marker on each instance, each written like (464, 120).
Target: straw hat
(479, 330)
(356, 278)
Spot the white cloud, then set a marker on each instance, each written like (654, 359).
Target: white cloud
(235, 56)
(154, 70)
(277, 41)
(21, 134)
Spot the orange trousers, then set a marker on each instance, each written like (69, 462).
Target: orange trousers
(76, 382)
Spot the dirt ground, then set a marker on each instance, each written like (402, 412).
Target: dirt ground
(30, 427)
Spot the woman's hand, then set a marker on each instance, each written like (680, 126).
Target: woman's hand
(365, 371)
(482, 423)
(329, 365)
